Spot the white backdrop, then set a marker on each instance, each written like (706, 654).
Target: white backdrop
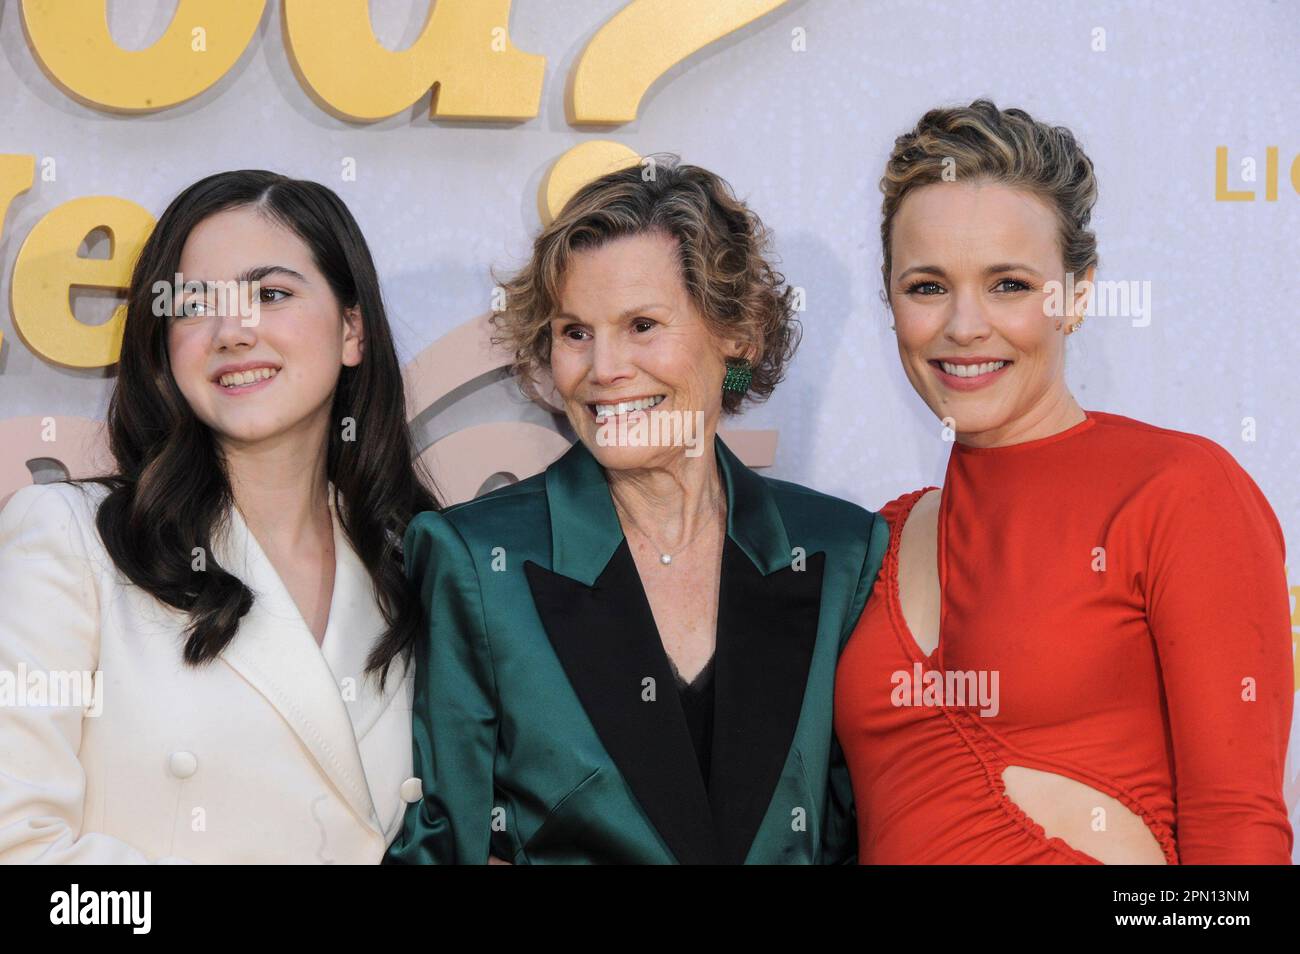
(803, 136)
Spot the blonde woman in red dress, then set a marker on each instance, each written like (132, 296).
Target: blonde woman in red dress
(1079, 651)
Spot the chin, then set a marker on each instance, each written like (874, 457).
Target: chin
(244, 431)
(626, 458)
(612, 458)
(243, 435)
(974, 417)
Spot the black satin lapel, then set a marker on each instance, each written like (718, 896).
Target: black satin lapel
(767, 628)
(607, 642)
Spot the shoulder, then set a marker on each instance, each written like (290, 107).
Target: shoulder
(497, 516)
(807, 502)
(61, 514)
(805, 511)
(525, 494)
(1178, 458)
(1190, 481)
(896, 511)
(506, 510)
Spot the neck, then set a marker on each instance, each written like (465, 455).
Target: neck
(1057, 411)
(281, 488)
(671, 502)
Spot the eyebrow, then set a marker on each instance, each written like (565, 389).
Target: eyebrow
(991, 270)
(622, 316)
(259, 272)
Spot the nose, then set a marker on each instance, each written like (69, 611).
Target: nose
(232, 331)
(967, 321)
(609, 360)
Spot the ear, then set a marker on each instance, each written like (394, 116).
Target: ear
(353, 337)
(736, 348)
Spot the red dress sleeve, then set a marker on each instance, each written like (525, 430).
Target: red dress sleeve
(1219, 611)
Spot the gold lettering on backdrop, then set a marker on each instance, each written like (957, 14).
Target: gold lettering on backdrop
(16, 176)
(1223, 194)
(636, 46)
(49, 267)
(639, 44)
(580, 165)
(71, 41)
(463, 53)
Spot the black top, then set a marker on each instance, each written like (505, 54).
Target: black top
(697, 704)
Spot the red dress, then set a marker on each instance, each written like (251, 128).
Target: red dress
(1156, 669)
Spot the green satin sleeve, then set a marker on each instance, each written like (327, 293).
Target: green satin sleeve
(454, 715)
(840, 842)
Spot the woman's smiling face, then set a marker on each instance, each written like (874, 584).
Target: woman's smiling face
(628, 333)
(272, 369)
(968, 289)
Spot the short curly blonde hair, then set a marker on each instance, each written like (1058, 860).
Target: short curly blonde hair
(1007, 146)
(723, 251)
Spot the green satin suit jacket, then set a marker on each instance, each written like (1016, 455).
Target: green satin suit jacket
(547, 725)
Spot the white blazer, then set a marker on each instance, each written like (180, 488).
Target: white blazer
(279, 751)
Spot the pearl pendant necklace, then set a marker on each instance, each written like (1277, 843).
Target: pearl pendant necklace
(665, 558)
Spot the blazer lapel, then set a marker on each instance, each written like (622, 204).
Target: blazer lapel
(276, 653)
(597, 617)
(355, 623)
(769, 606)
(606, 640)
(767, 628)
(599, 621)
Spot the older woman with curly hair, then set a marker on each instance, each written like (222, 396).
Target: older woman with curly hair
(630, 657)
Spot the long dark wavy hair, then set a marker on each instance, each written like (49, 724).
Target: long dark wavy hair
(171, 491)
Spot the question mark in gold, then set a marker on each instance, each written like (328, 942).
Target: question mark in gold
(620, 63)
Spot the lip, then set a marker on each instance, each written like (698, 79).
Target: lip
(968, 384)
(242, 366)
(591, 405)
(243, 389)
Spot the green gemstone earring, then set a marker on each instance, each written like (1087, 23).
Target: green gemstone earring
(739, 374)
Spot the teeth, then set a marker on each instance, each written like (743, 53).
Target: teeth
(971, 370)
(609, 410)
(237, 378)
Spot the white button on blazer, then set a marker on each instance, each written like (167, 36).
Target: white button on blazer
(279, 751)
